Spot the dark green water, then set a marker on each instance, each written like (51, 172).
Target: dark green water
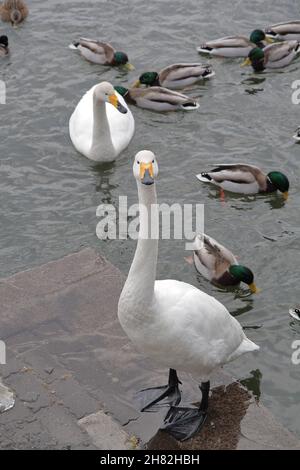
(49, 193)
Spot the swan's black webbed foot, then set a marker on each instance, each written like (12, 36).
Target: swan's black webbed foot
(183, 423)
(167, 394)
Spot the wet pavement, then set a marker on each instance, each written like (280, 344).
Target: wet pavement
(74, 372)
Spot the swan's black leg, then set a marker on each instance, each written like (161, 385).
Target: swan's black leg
(169, 393)
(183, 423)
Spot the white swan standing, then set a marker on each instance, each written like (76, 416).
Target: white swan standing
(102, 125)
(174, 323)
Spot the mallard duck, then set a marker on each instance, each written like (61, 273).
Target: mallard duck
(295, 313)
(176, 76)
(246, 179)
(273, 56)
(175, 324)
(157, 99)
(217, 264)
(287, 31)
(234, 46)
(4, 46)
(13, 11)
(297, 135)
(101, 125)
(101, 53)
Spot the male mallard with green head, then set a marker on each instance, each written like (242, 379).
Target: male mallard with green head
(157, 99)
(101, 53)
(176, 76)
(4, 51)
(234, 46)
(286, 31)
(246, 179)
(217, 264)
(274, 56)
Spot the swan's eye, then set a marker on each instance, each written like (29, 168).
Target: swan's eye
(152, 161)
(138, 162)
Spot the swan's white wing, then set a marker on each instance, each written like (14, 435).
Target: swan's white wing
(81, 123)
(198, 331)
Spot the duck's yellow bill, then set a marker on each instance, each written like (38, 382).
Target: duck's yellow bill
(286, 195)
(128, 67)
(253, 288)
(136, 84)
(246, 62)
(269, 40)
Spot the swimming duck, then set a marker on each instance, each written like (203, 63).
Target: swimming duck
(101, 53)
(274, 56)
(176, 76)
(13, 11)
(246, 179)
(297, 135)
(295, 313)
(175, 324)
(3, 46)
(289, 30)
(101, 125)
(157, 99)
(217, 264)
(234, 46)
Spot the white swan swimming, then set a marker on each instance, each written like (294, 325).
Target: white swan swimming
(174, 323)
(102, 125)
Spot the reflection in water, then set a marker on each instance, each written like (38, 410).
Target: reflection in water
(276, 201)
(254, 80)
(103, 172)
(253, 383)
(222, 429)
(247, 307)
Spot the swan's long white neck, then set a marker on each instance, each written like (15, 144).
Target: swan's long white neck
(139, 286)
(101, 146)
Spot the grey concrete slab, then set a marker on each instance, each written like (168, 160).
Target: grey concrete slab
(72, 369)
(105, 432)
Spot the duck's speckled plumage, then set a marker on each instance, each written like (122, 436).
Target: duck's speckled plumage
(179, 76)
(159, 99)
(245, 179)
(14, 11)
(286, 31)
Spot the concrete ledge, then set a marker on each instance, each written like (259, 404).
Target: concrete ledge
(105, 433)
(74, 373)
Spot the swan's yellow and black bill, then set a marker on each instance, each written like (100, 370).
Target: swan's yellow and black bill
(253, 288)
(285, 195)
(136, 84)
(146, 173)
(246, 62)
(113, 99)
